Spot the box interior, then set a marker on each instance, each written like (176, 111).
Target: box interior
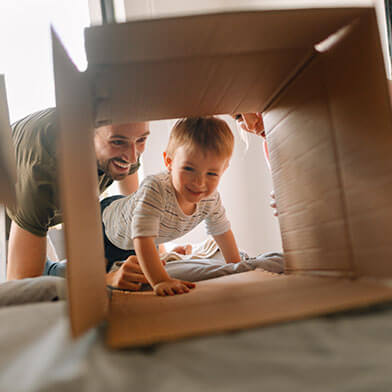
(329, 136)
(202, 65)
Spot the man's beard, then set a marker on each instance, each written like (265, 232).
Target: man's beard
(104, 165)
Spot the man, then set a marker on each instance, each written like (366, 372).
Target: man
(118, 149)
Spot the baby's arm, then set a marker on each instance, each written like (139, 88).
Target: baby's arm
(228, 246)
(156, 275)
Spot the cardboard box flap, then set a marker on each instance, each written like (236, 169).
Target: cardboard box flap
(232, 33)
(362, 122)
(205, 64)
(233, 302)
(329, 135)
(87, 296)
(7, 152)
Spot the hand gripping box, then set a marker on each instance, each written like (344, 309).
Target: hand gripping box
(318, 77)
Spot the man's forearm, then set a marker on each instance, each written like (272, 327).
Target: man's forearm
(26, 254)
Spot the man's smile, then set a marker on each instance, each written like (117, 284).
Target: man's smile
(121, 165)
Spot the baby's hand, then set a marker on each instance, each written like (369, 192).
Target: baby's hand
(183, 250)
(173, 287)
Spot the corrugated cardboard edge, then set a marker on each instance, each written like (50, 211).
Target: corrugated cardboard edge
(7, 152)
(87, 297)
(246, 300)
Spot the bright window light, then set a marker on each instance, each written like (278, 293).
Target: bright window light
(26, 53)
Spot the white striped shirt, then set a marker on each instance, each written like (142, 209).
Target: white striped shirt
(153, 211)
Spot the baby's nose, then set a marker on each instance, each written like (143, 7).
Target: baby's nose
(199, 180)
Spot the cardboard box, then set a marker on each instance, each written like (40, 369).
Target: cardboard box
(318, 76)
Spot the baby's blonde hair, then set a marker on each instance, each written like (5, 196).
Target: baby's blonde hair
(209, 134)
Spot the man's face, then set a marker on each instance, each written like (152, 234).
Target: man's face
(119, 146)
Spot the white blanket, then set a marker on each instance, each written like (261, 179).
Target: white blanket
(350, 352)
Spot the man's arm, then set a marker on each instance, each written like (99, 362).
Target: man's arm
(129, 184)
(26, 254)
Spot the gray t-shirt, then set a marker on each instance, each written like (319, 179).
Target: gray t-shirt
(153, 211)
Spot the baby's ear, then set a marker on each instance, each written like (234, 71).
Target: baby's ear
(167, 160)
(227, 164)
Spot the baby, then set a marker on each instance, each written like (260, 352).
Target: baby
(170, 204)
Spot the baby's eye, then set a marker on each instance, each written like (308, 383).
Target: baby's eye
(212, 174)
(188, 168)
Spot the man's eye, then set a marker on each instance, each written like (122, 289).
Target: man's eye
(117, 142)
(141, 140)
(188, 168)
(212, 174)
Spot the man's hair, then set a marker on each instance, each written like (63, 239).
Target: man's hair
(208, 134)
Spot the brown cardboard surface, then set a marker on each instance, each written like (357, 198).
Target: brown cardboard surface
(330, 138)
(306, 177)
(234, 302)
(7, 155)
(192, 86)
(205, 64)
(87, 296)
(230, 33)
(361, 111)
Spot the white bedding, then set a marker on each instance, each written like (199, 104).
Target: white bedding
(347, 352)
(350, 352)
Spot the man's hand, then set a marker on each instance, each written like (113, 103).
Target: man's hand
(173, 287)
(251, 122)
(129, 276)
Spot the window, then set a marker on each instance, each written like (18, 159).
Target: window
(26, 55)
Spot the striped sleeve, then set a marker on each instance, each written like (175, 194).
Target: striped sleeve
(148, 209)
(217, 222)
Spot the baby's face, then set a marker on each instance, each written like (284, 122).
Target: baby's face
(195, 175)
